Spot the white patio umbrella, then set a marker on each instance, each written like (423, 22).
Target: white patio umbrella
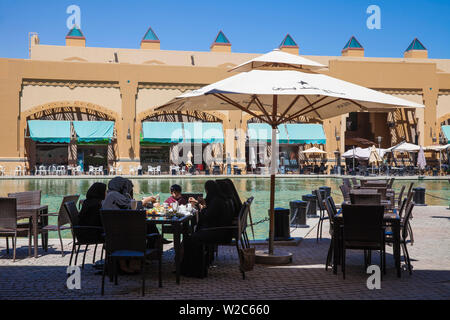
(314, 150)
(279, 96)
(438, 149)
(404, 147)
(421, 162)
(278, 58)
(357, 153)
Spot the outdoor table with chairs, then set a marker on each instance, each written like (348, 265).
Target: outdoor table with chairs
(29, 207)
(390, 219)
(180, 225)
(363, 203)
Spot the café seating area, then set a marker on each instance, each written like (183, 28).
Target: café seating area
(370, 217)
(124, 231)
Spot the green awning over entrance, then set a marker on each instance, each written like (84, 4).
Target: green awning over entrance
(94, 131)
(203, 132)
(446, 131)
(162, 132)
(296, 133)
(177, 132)
(49, 131)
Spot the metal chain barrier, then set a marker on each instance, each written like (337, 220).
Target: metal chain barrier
(259, 222)
(436, 197)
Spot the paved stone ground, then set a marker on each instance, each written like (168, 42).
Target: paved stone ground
(305, 278)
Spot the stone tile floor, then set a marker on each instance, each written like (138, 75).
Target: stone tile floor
(306, 278)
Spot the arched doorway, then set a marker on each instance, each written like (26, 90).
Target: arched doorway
(75, 151)
(160, 151)
(294, 137)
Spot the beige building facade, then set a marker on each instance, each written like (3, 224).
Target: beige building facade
(78, 82)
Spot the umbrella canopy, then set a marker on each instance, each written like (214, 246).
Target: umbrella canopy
(278, 58)
(314, 150)
(421, 162)
(404, 147)
(437, 148)
(362, 153)
(279, 96)
(374, 157)
(296, 93)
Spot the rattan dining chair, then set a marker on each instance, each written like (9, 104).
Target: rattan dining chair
(63, 220)
(345, 192)
(363, 229)
(368, 199)
(355, 183)
(126, 238)
(400, 195)
(239, 235)
(331, 212)
(322, 217)
(31, 198)
(79, 237)
(8, 224)
(405, 233)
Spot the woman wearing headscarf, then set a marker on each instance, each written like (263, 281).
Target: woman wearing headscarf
(90, 212)
(120, 194)
(213, 216)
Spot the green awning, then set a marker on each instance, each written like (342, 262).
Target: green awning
(263, 132)
(306, 133)
(177, 132)
(446, 131)
(203, 132)
(297, 133)
(50, 131)
(162, 132)
(94, 131)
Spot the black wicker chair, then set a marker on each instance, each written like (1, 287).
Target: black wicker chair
(63, 222)
(8, 224)
(126, 238)
(79, 234)
(331, 212)
(404, 235)
(239, 234)
(363, 229)
(322, 217)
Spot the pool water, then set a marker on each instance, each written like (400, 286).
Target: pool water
(287, 189)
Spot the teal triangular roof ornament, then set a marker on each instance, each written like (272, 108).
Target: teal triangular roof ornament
(416, 45)
(288, 42)
(150, 35)
(221, 38)
(75, 32)
(353, 44)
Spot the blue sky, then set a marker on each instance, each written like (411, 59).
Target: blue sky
(320, 27)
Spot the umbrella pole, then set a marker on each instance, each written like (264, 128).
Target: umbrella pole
(273, 170)
(270, 257)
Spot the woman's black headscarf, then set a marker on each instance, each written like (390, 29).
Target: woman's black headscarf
(96, 191)
(121, 185)
(212, 191)
(120, 193)
(89, 213)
